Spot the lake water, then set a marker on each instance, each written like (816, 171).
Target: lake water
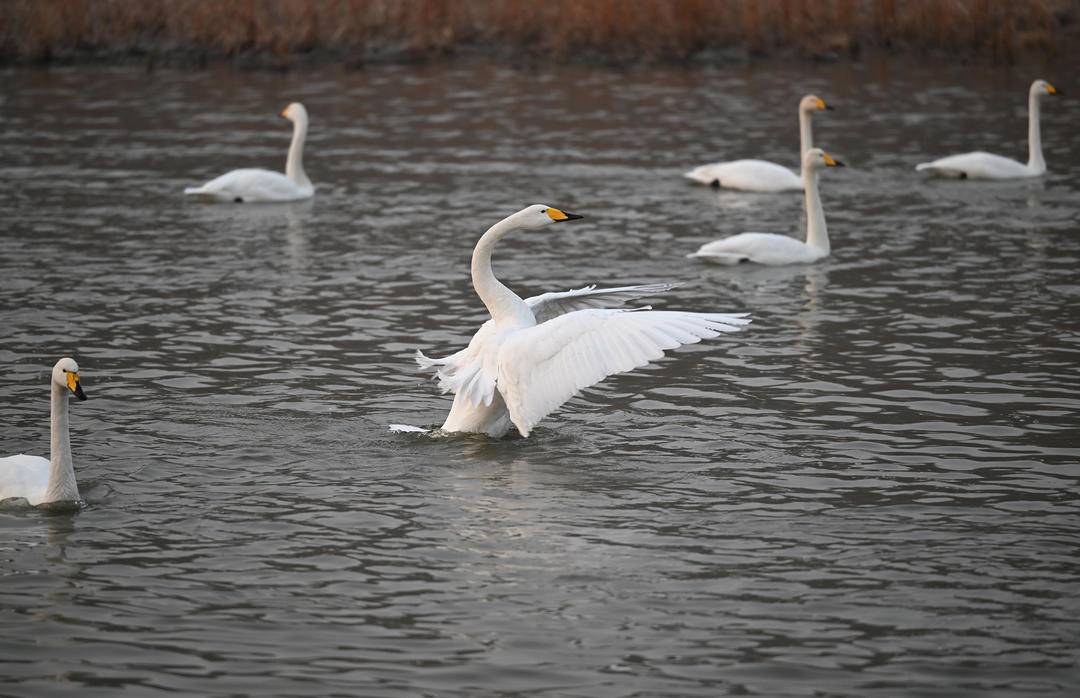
(872, 491)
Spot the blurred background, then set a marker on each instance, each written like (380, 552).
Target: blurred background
(282, 33)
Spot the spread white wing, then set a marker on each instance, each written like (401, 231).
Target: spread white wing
(472, 370)
(551, 305)
(542, 367)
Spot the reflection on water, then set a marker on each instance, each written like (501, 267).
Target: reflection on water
(871, 491)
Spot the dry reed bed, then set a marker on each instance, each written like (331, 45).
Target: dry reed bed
(618, 30)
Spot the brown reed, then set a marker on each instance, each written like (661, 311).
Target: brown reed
(563, 30)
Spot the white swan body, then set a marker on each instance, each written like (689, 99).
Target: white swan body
(39, 480)
(256, 185)
(533, 355)
(980, 165)
(762, 175)
(747, 175)
(773, 249)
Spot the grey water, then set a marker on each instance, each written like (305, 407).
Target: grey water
(871, 491)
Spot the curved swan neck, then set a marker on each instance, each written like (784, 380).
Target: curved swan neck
(1035, 154)
(817, 235)
(501, 302)
(294, 165)
(62, 486)
(806, 133)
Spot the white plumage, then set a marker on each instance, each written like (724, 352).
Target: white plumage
(762, 175)
(261, 186)
(773, 249)
(533, 355)
(541, 367)
(39, 480)
(982, 165)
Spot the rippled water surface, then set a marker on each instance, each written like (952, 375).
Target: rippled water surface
(870, 492)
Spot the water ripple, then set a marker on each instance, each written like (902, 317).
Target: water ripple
(871, 491)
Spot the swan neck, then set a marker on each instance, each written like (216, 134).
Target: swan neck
(806, 133)
(62, 485)
(817, 235)
(294, 165)
(501, 302)
(1036, 162)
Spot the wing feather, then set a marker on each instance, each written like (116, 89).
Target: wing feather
(542, 367)
(547, 306)
(473, 373)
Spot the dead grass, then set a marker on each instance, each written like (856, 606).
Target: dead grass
(617, 30)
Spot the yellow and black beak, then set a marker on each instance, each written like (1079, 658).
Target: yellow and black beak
(1051, 90)
(560, 216)
(284, 113)
(74, 386)
(831, 162)
(822, 106)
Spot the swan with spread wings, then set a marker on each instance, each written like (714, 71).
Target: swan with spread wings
(535, 354)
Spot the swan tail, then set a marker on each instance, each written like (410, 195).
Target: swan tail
(194, 191)
(700, 174)
(923, 166)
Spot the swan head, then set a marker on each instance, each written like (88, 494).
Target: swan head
(66, 374)
(1042, 87)
(813, 103)
(539, 215)
(295, 112)
(817, 159)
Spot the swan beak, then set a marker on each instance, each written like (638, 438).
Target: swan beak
(560, 216)
(829, 161)
(822, 106)
(284, 113)
(73, 385)
(1050, 89)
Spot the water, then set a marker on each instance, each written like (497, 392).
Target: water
(870, 492)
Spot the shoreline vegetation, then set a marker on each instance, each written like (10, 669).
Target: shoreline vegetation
(283, 34)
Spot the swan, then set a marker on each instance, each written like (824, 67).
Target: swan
(35, 479)
(255, 185)
(980, 165)
(761, 175)
(773, 249)
(535, 354)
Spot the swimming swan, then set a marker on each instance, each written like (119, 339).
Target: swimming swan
(254, 185)
(35, 479)
(762, 175)
(533, 355)
(773, 249)
(980, 165)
